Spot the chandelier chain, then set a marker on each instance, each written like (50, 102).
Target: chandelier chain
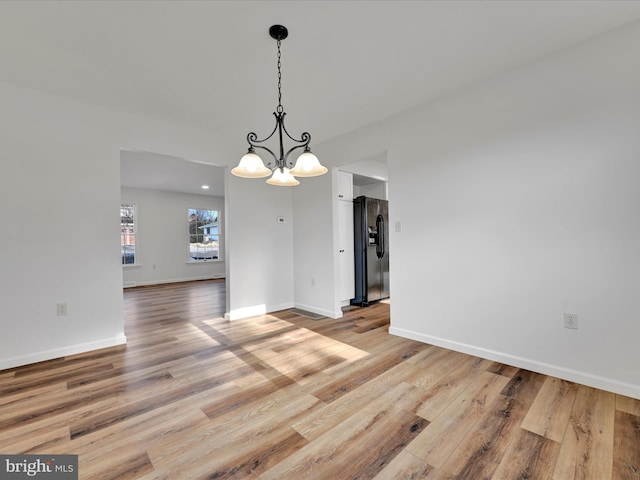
(280, 108)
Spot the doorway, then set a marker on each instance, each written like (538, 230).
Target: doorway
(161, 194)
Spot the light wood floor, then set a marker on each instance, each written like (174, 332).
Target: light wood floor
(284, 397)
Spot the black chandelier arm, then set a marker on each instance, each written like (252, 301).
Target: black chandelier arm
(283, 161)
(270, 164)
(252, 138)
(286, 157)
(305, 138)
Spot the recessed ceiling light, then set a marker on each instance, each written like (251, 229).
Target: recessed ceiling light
(205, 187)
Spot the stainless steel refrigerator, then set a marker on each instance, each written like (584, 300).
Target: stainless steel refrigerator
(371, 243)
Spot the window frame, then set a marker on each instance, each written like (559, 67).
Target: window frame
(215, 213)
(133, 234)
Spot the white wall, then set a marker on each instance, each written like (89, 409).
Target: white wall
(528, 208)
(314, 246)
(259, 248)
(373, 190)
(162, 243)
(373, 166)
(59, 201)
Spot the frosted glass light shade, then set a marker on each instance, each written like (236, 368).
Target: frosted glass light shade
(308, 165)
(283, 178)
(251, 166)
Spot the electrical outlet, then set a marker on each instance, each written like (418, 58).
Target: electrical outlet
(61, 309)
(571, 321)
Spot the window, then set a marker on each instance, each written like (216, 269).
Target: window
(128, 234)
(204, 234)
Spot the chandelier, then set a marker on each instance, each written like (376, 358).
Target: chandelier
(281, 169)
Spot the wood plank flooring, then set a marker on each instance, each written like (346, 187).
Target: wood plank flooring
(282, 396)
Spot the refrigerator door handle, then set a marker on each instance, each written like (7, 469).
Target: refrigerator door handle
(381, 239)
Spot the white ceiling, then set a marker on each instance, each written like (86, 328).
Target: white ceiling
(163, 172)
(345, 64)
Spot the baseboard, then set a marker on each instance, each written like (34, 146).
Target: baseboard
(175, 280)
(277, 308)
(245, 312)
(319, 311)
(254, 310)
(576, 376)
(6, 363)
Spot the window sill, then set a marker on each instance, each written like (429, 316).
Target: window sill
(200, 262)
(131, 265)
